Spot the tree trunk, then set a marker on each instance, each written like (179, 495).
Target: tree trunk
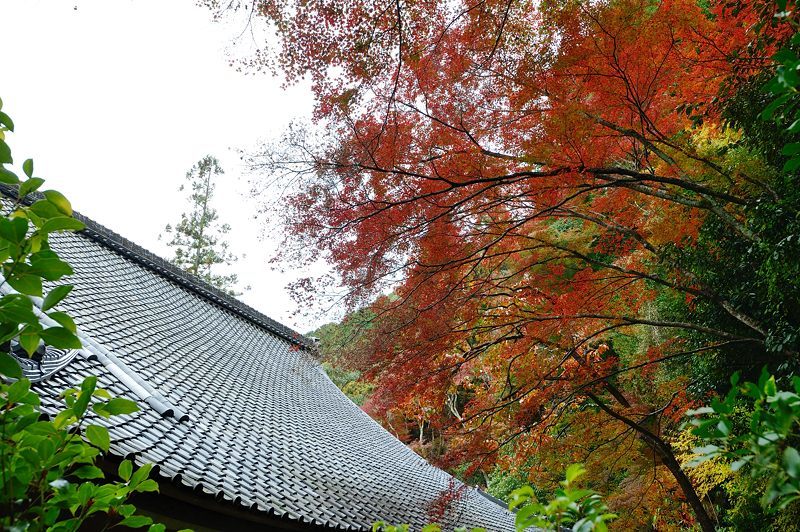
(203, 222)
(706, 523)
(664, 450)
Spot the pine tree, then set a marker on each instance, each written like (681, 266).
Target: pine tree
(199, 239)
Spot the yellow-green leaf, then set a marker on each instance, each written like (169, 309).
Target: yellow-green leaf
(59, 200)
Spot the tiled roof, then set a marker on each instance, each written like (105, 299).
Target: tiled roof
(232, 403)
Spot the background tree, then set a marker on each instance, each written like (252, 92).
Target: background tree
(334, 341)
(199, 239)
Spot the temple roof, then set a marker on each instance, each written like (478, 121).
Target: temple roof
(233, 404)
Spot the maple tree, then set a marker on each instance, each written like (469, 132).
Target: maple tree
(576, 228)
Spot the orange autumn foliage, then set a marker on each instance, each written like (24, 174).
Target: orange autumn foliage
(519, 175)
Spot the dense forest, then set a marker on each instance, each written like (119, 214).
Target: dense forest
(562, 226)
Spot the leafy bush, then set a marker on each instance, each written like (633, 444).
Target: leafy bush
(49, 471)
(48, 468)
(582, 509)
(768, 448)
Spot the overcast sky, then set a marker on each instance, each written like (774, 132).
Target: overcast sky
(116, 99)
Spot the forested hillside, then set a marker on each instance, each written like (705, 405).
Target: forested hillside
(588, 217)
(337, 344)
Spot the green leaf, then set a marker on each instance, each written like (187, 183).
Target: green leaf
(9, 366)
(7, 330)
(520, 496)
(29, 398)
(136, 521)
(8, 177)
(62, 223)
(89, 385)
(23, 472)
(30, 185)
(28, 455)
(26, 284)
(100, 410)
(141, 474)
(125, 469)
(573, 472)
(17, 390)
(55, 296)
(50, 516)
(100, 392)
(157, 527)
(791, 165)
(791, 462)
(46, 264)
(770, 387)
(41, 428)
(29, 339)
(64, 320)
(85, 492)
(68, 525)
(6, 121)
(784, 55)
(5, 250)
(45, 209)
(17, 308)
(527, 517)
(791, 148)
(27, 167)
(46, 448)
(32, 416)
(88, 472)
(87, 388)
(14, 229)
(5, 153)
(108, 493)
(79, 405)
(120, 406)
(61, 338)
(69, 392)
(147, 485)
(98, 436)
(58, 199)
(577, 494)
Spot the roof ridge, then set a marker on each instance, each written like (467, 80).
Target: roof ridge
(149, 260)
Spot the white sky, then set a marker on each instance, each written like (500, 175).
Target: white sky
(116, 99)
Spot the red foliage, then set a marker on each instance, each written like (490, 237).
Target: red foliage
(439, 507)
(515, 172)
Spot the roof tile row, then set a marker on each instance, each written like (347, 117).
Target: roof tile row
(265, 425)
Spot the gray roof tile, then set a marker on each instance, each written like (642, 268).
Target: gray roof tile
(265, 427)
